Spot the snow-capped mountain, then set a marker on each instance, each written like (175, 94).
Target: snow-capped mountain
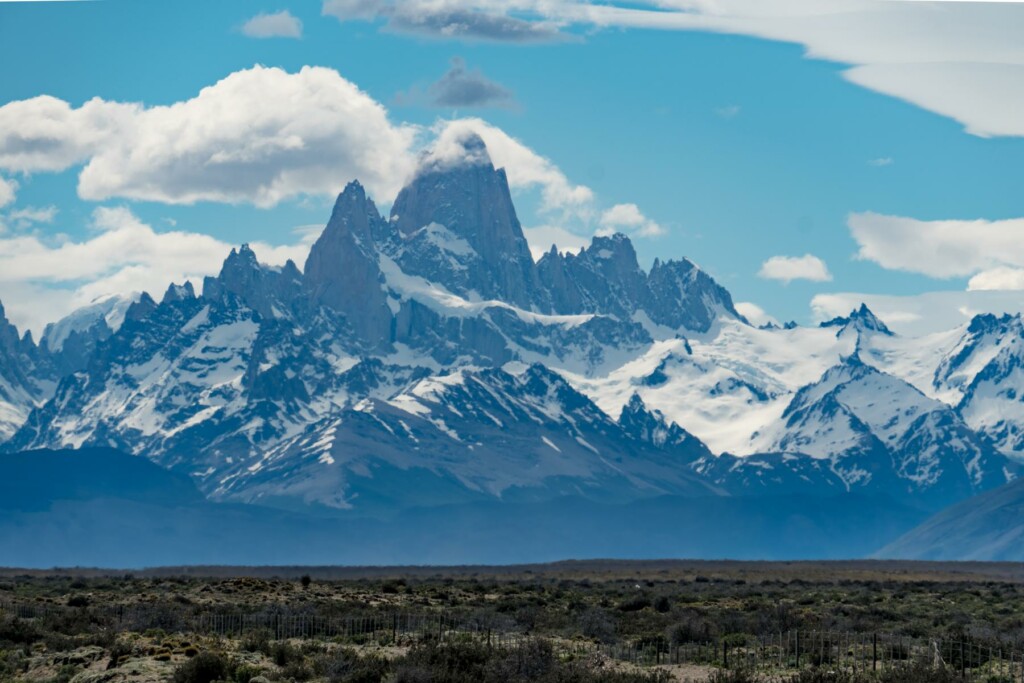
(27, 376)
(878, 431)
(72, 339)
(984, 374)
(519, 434)
(425, 358)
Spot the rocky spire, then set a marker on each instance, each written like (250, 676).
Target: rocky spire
(463, 192)
(343, 268)
(681, 295)
(603, 278)
(267, 290)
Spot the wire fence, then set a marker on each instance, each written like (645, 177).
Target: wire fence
(838, 651)
(774, 653)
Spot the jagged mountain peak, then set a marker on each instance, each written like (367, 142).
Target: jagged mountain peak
(615, 248)
(142, 307)
(355, 214)
(860, 319)
(458, 189)
(343, 272)
(176, 292)
(651, 427)
(265, 289)
(680, 294)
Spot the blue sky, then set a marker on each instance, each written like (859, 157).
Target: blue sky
(735, 148)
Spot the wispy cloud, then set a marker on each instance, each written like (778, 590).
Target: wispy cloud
(460, 86)
(730, 111)
(489, 20)
(277, 25)
(8, 191)
(964, 60)
(940, 249)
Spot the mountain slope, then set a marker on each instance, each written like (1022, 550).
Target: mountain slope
(465, 436)
(99, 508)
(986, 528)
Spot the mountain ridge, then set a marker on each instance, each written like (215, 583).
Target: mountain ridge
(429, 347)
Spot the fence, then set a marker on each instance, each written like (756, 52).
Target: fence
(793, 650)
(777, 653)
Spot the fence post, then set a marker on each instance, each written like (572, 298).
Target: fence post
(725, 654)
(798, 648)
(874, 652)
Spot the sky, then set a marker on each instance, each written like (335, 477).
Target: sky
(810, 155)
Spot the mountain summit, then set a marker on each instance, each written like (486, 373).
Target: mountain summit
(460, 203)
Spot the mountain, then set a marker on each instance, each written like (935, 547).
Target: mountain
(986, 528)
(423, 360)
(98, 507)
(459, 229)
(880, 432)
(233, 384)
(860, 320)
(470, 435)
(73, 339)
(27, 376)
(984, 374)
(756, 474)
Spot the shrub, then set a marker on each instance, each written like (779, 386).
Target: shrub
(257, 641)
(346, 666)
(634, 604)
(284, 653)
(78, 601)
(596, 624)
(205, 667)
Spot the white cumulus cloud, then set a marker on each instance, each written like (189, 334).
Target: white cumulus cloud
(789, 268)
(941, 248)
(273, 25)
(525, 167)
(629, 219)
(997, 278)
(260, 135)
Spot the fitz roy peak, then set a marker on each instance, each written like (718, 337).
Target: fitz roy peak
(424, 359)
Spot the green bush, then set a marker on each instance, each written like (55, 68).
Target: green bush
(206, 667)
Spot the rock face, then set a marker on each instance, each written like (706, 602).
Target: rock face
(605, 277)
(463, 207)
(343, 271)
(27, 375)
(426, 359)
